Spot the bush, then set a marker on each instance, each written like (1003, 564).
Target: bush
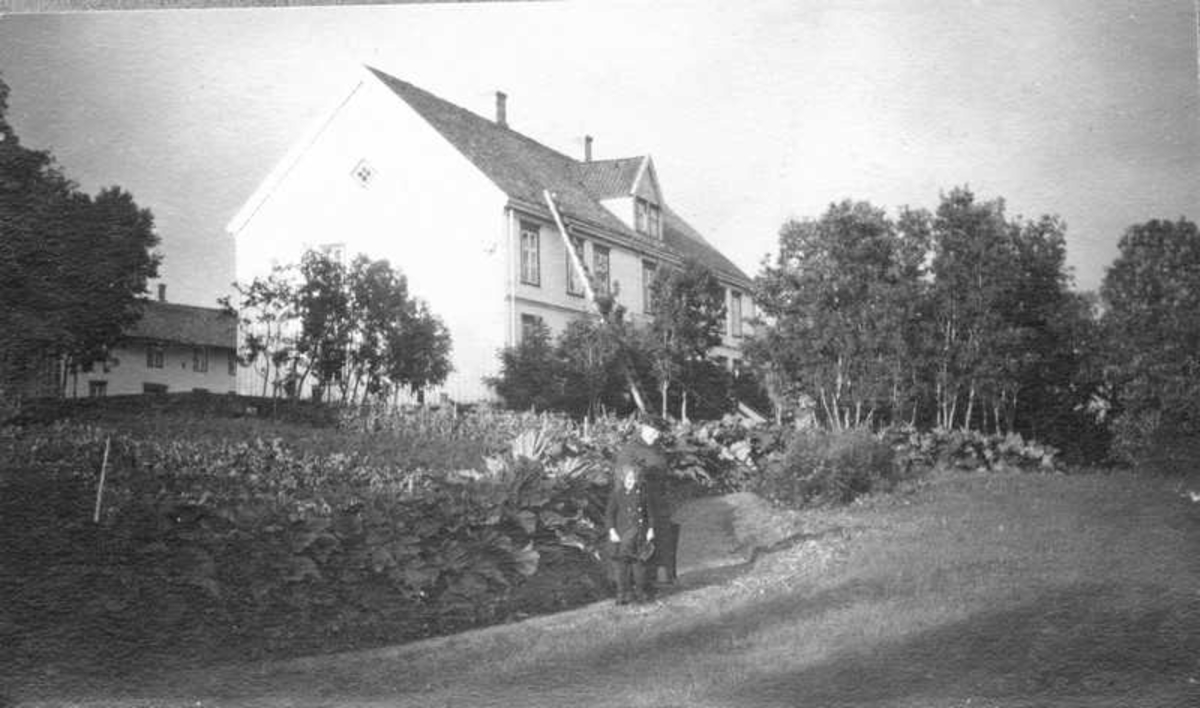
(822, 467)
(970, 450)
(1154, 443)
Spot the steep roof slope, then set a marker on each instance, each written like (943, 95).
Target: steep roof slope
(522, 168)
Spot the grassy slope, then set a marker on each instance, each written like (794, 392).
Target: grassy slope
(1001, 590)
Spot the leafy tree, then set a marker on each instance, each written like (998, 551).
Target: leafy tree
(323, 306)
(592, 356)
(267, 319)
(688, 316)
(961, 318)
(530, 374)
(379, 304)
(841, 296)
(73, 267)
(583, 372)
(1152, 324)
(971, 267)
(355, 327)
(419, 350)
(1000, 290)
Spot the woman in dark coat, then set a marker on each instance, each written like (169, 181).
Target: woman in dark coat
(630, 518)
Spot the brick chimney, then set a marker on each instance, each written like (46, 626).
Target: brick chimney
(587, 148)
(501, 109)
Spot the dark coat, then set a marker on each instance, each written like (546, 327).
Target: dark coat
(630, 513)
(652, 464)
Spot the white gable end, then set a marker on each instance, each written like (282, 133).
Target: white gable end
(374, 177)
(646, 183)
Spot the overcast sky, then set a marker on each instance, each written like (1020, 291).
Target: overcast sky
(753, 112)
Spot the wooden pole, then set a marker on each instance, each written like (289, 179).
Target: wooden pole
(590, 291)
(100, 486)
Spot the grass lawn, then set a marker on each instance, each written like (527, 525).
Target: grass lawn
(975, 590)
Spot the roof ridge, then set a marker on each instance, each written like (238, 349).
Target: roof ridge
(612, 159)
(386, 77)
(183, 305)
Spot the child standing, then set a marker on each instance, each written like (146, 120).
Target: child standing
(630, 517)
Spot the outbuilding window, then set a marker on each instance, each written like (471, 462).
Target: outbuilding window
(154, 356)
(200, 359)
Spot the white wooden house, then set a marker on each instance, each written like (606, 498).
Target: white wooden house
(456, 202)
(173, 348)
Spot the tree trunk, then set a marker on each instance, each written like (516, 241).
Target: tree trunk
(970, 406)
(829, 414)
(683, 401)
(663, 390)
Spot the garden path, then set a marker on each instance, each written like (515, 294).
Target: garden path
(724, 531)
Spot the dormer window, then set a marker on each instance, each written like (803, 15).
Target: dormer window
(647, 218)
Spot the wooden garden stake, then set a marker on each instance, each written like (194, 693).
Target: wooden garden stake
(100, 487)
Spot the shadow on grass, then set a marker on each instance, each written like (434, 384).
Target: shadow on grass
(1070, 642)
(1079, 640)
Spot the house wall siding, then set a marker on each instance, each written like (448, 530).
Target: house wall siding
(625, 276)
(127, 372)
(426, 209)
(551, 302)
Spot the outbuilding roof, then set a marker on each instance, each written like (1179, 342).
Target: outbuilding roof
(523, 168)
(186, 324)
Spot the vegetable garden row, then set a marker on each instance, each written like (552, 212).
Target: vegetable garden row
(210, 544)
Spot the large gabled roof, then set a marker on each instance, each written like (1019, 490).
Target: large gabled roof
(523, 168)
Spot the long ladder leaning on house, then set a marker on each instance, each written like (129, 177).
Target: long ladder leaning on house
(586, 278)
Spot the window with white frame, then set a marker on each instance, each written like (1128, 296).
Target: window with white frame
(647, 218)
(600, 269)
(735, 313)
(97, 389)
(531, 271)
(574, 281)
(649, 272)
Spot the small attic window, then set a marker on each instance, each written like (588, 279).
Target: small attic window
(363, 173)
(647, 218)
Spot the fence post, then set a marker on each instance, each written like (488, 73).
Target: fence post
(100, 486)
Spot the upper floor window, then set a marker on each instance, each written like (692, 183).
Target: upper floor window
(649, 271)
(600, 269)
(735, 313)
(574, 281)
(531, 271)
(200, 359)
(647, 218)
(154, 357)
